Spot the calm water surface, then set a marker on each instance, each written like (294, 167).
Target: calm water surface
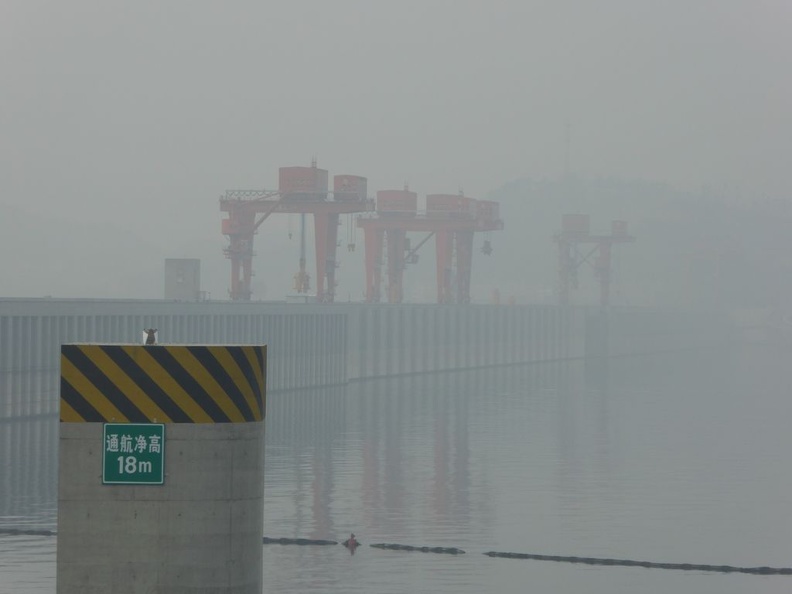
(672, 458)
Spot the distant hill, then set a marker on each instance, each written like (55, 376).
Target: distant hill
(691, 250)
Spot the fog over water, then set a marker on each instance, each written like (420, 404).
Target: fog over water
(122, 124)
(659, 458)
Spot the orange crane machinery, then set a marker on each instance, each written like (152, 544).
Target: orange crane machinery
(301, 190)
(574, 234)
(452, 219)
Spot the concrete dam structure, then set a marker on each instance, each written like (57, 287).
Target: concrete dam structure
(316, 345)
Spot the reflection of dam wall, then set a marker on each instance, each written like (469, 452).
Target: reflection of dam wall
(313, 345)
(29, 463)
(404, 447)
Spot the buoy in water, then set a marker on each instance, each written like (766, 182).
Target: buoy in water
(351, 543)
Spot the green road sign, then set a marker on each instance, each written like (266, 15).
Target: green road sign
(134, 454)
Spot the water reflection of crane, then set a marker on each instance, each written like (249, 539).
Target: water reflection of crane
(386, 412)
(388, 475)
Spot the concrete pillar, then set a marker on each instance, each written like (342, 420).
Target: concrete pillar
(200, 530)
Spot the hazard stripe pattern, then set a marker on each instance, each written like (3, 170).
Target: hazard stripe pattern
(162, 383)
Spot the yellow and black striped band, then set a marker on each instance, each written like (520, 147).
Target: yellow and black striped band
(162, 383)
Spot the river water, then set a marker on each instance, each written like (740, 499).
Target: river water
(678, 458)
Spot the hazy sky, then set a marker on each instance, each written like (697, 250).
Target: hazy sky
(137, 115)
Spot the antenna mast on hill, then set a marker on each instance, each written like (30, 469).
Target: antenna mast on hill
(567, 137)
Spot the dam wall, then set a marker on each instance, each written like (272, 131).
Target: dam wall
(395, 340)
(631, 331)
(313, 345)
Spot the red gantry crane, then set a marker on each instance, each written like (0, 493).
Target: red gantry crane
(301, 190)
(451, 218)
(574, 234)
